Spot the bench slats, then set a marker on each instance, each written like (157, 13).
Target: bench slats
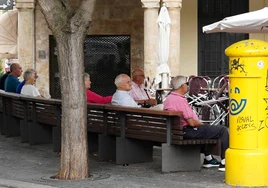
(146, 137)
(194, 142)
(177, 132)
(147, 119)
(140, 123)
(146, 128)
(146, 123)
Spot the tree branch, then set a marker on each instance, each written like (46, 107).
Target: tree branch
(56, 13)
(69, 8)
(62, 17)
(83, 15)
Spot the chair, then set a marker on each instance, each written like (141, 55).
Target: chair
(219, 81)
(149, 85)
(197, 94)
(218, 104)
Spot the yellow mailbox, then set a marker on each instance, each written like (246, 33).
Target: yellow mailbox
(247, 156)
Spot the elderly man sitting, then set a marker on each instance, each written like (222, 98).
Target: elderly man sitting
(138, 91)
(192, 126)
(12, 80)
(121, 97)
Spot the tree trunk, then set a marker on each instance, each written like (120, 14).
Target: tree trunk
(74, 155)
(69, 26)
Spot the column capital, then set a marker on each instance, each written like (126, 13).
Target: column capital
(173, 3)
(20, 4)
(150, 3)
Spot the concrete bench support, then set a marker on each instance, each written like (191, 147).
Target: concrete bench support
(180, 158)
(130, 151)
(106, 148)
(11, 126)
(24, 131)
(2, 129)
(56, 139)
(93, 142)
(39, 134)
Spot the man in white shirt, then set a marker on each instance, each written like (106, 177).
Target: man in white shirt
(138, 91)
(121, 97)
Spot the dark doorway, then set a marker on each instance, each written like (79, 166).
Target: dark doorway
(105, 58)
(212, 60)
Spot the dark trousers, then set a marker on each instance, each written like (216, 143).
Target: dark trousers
(209, 132)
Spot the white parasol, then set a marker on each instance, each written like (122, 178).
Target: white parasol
(164, 22)
(251, 22)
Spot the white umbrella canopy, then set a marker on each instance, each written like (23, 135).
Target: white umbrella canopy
(251, 22)
(8, 34)
(163, 22)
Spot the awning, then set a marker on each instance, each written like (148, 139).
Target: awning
(8, 34)
(250, 22)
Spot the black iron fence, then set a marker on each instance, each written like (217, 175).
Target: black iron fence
(105, 58)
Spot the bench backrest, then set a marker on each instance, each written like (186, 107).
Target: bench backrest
(139, 123)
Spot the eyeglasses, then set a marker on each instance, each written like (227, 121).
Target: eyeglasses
(141, 75)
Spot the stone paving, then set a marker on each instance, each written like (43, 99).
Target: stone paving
(25, 166)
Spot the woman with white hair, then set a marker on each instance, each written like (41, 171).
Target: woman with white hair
(28, 88)
(93, 97)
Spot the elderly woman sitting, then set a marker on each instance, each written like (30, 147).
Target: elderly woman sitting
(94, 97)
(28, 88)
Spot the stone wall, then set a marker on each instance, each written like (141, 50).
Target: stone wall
(42, 46)
(117, 17)
(111, 17)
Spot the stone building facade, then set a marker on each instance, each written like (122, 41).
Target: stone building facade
(136, 18)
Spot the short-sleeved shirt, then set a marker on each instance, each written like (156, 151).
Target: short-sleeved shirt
(11, 83)
(19, 87)
(137, 92)
(177, 102)
(122, 98)
(30, 90)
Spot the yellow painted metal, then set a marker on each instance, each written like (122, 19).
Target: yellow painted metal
(246, 167)
(248, 119)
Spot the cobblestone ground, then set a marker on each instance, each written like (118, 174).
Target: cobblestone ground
(35, 164)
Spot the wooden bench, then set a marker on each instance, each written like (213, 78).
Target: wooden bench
(10, 116)
(125, 135)
(30, 118)
(129, 135)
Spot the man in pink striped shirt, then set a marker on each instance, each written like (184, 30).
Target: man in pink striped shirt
(193, 128)
(138, 91)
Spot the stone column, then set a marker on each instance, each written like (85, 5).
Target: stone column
(26, 51)
(151, 8)
(174, 9)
